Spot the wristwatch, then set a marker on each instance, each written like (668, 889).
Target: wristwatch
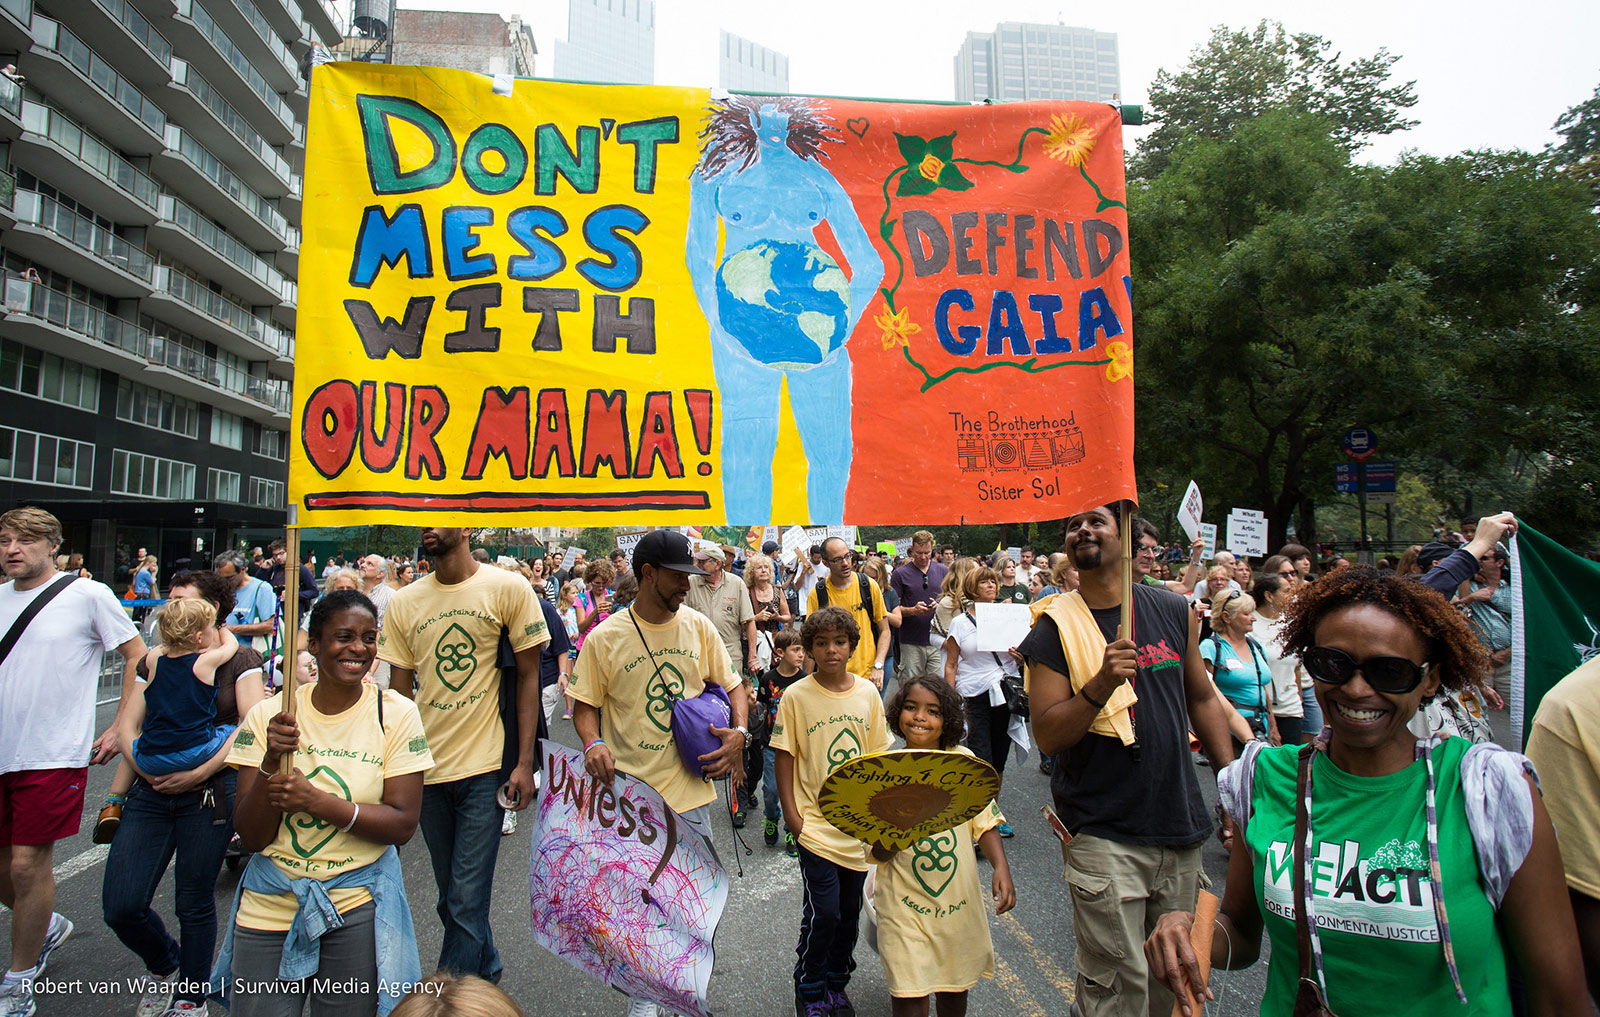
(744, 731)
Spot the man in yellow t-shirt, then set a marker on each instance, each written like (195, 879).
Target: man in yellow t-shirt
(441, 637)
(634, 666)
(844, 590)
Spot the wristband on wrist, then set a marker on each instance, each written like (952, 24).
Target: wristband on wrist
(597, 741)
(1097, 704)
(346, 827)
(262, 769)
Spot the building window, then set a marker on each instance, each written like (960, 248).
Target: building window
(150, 407)
(270, 443)
(46, 459)
(266, 493)
(222, 485)
(227, 430)
(46, 376)
(145, 476)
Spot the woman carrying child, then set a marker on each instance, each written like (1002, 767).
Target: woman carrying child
(932, 934)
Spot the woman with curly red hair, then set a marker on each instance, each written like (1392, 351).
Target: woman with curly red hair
(1392, 875)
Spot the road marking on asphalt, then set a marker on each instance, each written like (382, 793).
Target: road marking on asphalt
(81, 862)
(1008, 980)
(1046, 964)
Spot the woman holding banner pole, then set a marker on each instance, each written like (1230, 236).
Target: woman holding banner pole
(981, 677)
(324, 895)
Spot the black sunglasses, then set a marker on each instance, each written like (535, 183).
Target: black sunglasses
(1393, 675)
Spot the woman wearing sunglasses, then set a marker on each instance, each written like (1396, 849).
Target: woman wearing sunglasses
(1238, 663)
(1393, 875)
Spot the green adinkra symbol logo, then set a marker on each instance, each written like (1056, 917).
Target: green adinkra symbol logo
(455, 657)
(417, 744)
(307, 833)
(932, 857)
(664, 688)
(844, 747)
(245, 738)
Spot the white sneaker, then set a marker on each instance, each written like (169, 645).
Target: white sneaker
(184, 1008)
(508, 824)
(643, 1008)
(60, 928)
(16, 999)
(157, 999)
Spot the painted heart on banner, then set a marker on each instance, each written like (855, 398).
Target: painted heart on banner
(858, 126)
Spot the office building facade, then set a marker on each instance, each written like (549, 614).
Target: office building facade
(608, 40)
(1020, 61)
(149, 209)
(745, 66)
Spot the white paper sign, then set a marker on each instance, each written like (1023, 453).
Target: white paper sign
(1002, 626)
(1014, 553)
(1209, 532)
(902, 547)
(1247, 536)
(1248, 514)
(568, 558)
(1190, 510)
(626, 542)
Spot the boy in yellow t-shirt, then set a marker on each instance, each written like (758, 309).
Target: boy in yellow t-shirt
(824, 720)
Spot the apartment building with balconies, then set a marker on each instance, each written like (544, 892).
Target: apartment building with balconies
(150, 161)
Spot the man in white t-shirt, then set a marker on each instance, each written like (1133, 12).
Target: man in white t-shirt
(47, 699)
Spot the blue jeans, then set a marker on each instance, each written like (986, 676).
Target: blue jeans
(769, 784)
(154, 826)
(820, 399)
(461, 824)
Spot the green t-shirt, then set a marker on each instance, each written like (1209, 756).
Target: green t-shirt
(1012, 595)
(1372, 895)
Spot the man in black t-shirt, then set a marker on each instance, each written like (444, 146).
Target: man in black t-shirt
(1134, 810)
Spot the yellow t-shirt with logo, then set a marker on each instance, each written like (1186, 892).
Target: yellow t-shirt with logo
(450, 636)
(849, 598)
(933, 929)
(347, 755)
(822, 729)
(615, 675)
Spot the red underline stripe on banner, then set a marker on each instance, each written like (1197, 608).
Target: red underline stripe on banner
(508, 501)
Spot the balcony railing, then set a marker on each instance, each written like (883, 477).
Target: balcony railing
(268, 35)
(139, 28)
(51, 35)
(10, 95)
(186, 76)
(333, 15)
(38, 301)
(8, 188)
(200, 158)
(37, 118)
(22, 10)
(177, 212)
(236, 57)
(213, 305)
(84, 233)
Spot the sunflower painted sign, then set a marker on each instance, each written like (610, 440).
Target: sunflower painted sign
(621, 305)
(895, 799)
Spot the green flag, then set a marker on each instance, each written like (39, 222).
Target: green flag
(1555, 620)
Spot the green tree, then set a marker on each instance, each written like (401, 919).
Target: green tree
(1286, 295)
(1240, 75)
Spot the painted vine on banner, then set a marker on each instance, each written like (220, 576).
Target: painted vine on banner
(629, 305)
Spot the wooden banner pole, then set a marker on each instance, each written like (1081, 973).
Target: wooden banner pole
(291, 627)
(1125, 532)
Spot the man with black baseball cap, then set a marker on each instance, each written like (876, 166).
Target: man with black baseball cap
(634, 666)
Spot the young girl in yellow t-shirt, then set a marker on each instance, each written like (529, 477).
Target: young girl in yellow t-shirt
(932, 932)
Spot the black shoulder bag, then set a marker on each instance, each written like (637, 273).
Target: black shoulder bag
(30, 612)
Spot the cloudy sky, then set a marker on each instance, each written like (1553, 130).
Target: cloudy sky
(1485, 79)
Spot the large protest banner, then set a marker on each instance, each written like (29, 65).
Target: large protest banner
(615, 305)
(621, 887)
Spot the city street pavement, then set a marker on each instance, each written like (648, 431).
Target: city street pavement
(755, 942)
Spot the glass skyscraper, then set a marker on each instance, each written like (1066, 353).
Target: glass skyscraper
(1023, 61)
(609, 40)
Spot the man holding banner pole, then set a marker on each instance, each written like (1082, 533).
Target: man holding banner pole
(441, 637)
(1115, 711)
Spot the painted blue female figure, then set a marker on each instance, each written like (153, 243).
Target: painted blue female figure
(778, 304)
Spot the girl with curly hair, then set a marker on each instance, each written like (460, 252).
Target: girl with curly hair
(1393, 875)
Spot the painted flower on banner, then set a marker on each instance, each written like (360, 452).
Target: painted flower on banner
(1121, 365)
(929, 165)
(898, 328)
(1070, 140)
